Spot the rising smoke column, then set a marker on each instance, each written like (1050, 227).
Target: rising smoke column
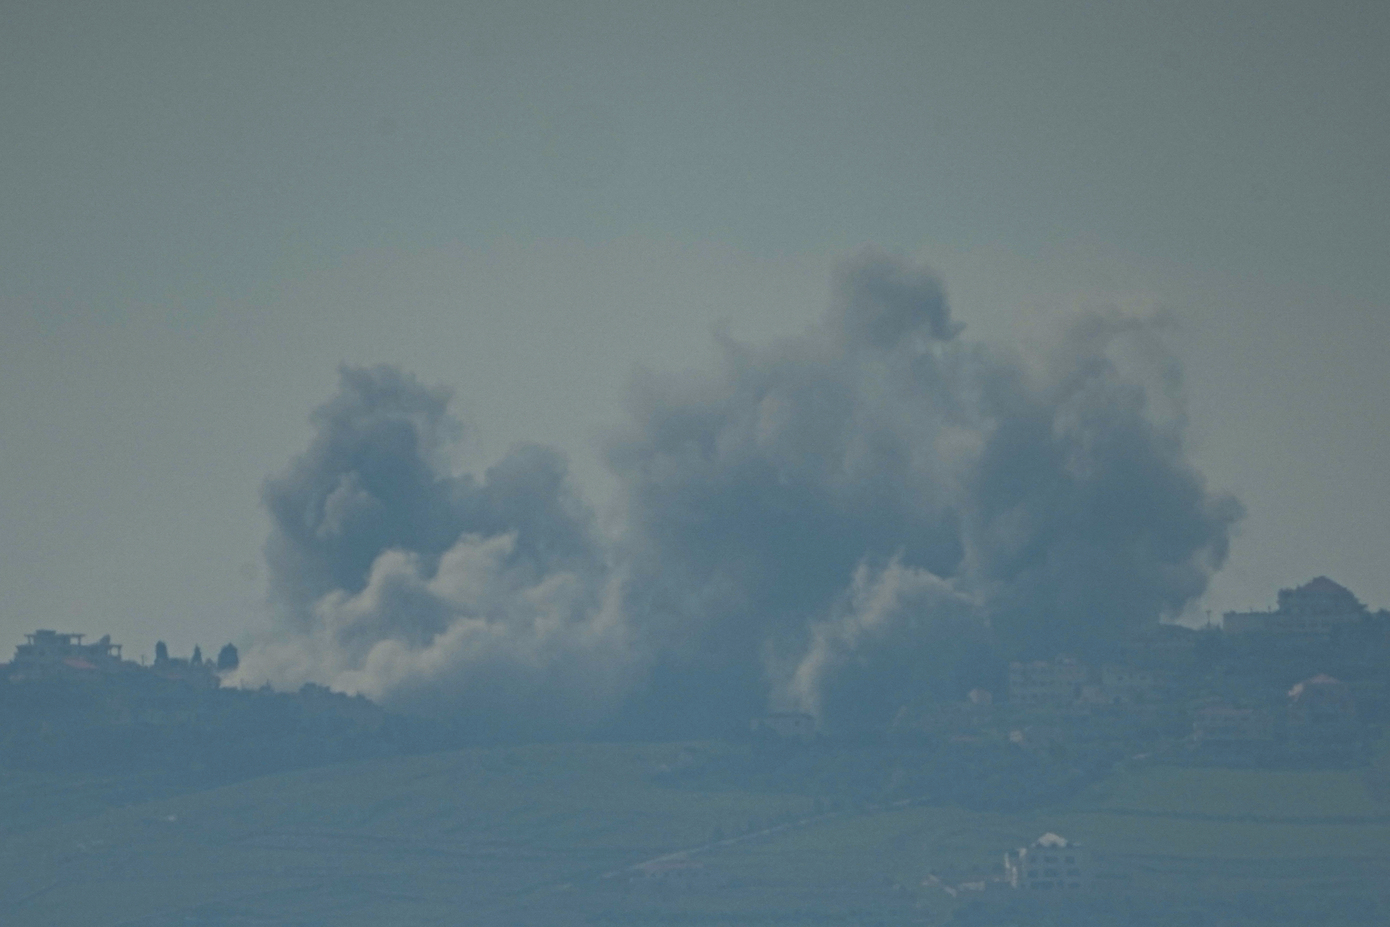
(838, 522)
(397, 578)
(839, 519)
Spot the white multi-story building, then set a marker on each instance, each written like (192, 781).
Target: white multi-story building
(1051, 863)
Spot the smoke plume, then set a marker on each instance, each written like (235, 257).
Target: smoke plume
(838, 522)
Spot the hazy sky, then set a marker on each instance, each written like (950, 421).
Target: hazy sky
(205, 208)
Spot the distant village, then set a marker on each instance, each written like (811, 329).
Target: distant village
(1308, 679)
(1303, 685)
(70, 704)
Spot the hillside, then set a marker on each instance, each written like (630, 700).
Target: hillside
(545, 835)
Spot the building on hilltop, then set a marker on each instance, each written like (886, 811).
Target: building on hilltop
(1315, 610)
(53, 654)
(1320, 596)
(1052, 863)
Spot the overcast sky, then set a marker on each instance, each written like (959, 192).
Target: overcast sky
(205, 208)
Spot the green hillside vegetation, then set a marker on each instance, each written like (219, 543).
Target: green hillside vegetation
(546, 835)
(1237, 793)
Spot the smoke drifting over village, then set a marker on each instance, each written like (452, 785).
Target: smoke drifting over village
(835, 522)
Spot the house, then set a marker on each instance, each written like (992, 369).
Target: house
(1119, 687)
(1128, 684)
(1042, 684)
(53, 654)
(1052, 863)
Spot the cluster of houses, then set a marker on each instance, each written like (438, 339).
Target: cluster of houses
(1260, 704)
(1280, 683)
(1312, 674)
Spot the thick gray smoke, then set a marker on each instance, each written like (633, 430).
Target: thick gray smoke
(841, 522)
(396, 578)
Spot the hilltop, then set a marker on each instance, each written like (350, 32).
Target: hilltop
(1235, 776)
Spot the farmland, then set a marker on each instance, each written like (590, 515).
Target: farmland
(546, 835)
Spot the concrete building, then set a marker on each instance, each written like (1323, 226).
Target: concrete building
(1119, 687)
(1128, 683)
(1042, 684)
(1315, 610)
(1052, 863)
(60, 656)
(53, 654)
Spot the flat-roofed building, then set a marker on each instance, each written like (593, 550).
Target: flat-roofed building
(1050, 864)
(47, 654)
(1317, 609)
(1044, 684)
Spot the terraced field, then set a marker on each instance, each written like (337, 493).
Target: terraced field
(547, 835)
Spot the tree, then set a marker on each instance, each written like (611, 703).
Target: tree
(161, 653)
(197, 656)
(228, 658)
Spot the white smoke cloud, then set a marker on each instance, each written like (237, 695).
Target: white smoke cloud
(477, 629)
